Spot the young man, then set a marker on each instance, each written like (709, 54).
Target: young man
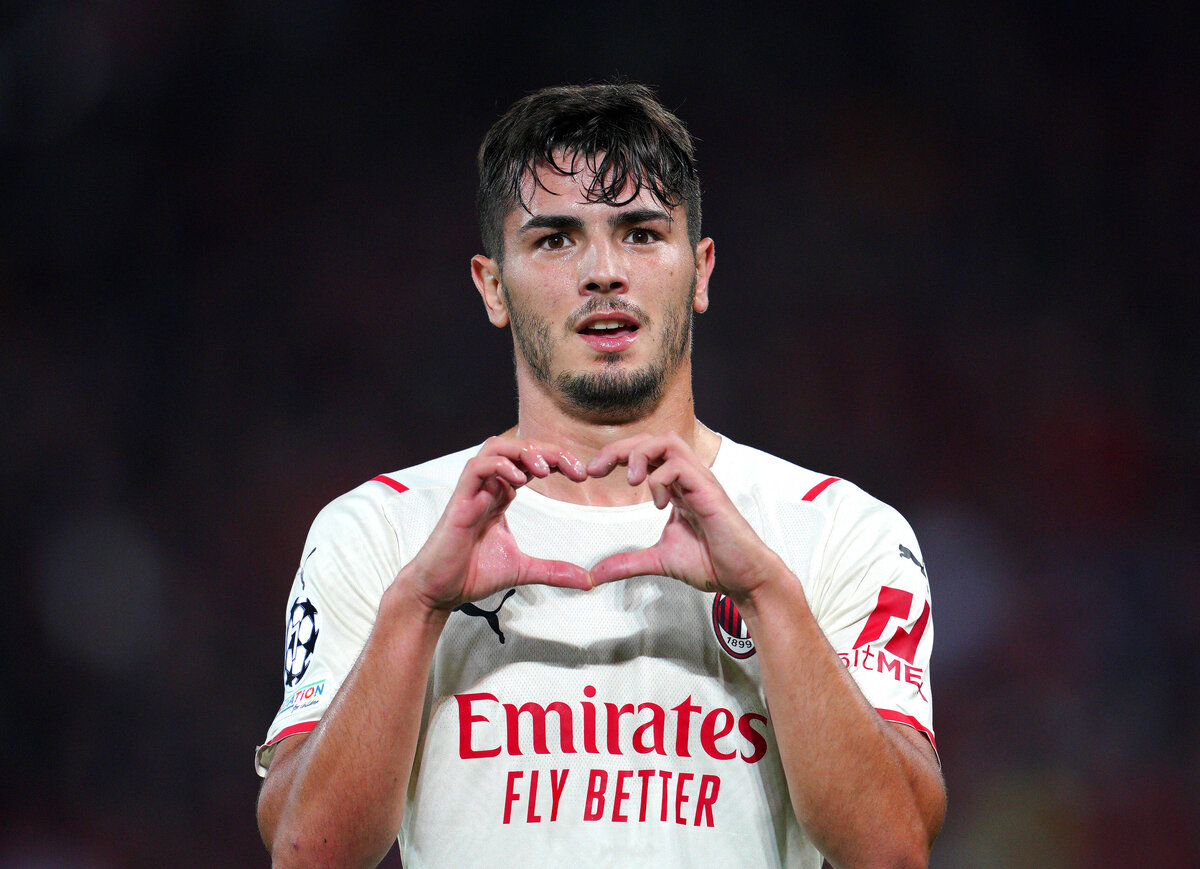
(608, 634)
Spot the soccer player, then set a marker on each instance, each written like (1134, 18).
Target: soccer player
(610, 635)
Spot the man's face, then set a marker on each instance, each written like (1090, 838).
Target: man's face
(599, 297)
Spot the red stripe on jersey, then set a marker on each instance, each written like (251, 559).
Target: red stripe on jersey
(901, 718)
(388, 481)
(305, 727)
(819, 488)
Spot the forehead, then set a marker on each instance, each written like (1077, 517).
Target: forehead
(558, 192)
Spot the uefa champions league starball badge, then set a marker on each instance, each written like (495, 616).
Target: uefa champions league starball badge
(301, 640)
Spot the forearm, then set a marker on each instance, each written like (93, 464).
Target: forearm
(339, 799)
(865, 796)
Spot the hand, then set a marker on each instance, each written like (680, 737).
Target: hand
(706, 543)
(471, 552)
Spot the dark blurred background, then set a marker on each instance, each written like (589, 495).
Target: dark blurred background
(957, 264)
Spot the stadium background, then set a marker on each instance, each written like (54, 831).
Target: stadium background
(957, 265)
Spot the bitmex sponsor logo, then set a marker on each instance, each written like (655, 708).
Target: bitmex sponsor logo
(588, 727)
(881, 662)
(897, 656)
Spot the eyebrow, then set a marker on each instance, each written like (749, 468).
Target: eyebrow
(638, 215)
(563, 221)
(550, 221)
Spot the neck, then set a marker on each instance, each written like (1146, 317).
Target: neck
(542, 418)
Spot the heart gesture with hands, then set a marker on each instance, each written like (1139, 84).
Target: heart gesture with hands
(706, 543)
(471, 552)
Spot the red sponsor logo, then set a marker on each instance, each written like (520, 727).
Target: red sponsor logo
(895, 603)
(881, 662)
(490, 728)
(621, 796)
(606, 728)
(897, 655)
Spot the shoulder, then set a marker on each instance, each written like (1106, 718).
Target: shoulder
(372, 501)
(440, 473)
(846, 542)
(799, 496)
(363, 537)
(740, 467)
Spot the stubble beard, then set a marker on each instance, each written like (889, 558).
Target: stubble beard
(612, 395)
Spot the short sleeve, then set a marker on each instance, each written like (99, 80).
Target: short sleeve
(877, 610)
(350, 557)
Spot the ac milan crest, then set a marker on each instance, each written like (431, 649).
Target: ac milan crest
(730, 629)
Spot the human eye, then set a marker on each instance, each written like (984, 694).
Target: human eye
(642, 235)
(554, 241)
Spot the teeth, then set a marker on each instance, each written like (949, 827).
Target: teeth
(605, 324)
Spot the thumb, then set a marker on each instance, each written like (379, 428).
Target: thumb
(561, 574)
(623, 565)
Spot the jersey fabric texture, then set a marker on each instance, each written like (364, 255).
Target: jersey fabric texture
(624, 723)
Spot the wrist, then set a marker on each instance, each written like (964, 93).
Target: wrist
(404, 601)
(772, 588)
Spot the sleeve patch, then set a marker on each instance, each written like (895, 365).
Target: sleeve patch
(303, 630)
(895, 603)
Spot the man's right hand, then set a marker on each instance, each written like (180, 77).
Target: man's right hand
(471, 553)
(311, 790)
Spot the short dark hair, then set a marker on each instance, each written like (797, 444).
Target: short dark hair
(621, 131)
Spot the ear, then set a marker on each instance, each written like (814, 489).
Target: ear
(485, 272)
(706, 259)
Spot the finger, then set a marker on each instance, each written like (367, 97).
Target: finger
(560, 574)
(623, 565)
(639, 465)
(497, 491)
(538, 458)
(566, 463)
(543, 459)
(604, 461)
(616, 453)
(483, 468)
(662, 484)
(526, 454)
(490, 495)
(649, 455)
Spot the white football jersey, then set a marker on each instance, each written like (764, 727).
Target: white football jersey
(626, 724)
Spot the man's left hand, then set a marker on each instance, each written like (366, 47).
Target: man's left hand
(706, 543)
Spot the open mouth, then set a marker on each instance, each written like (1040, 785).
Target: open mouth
(609, 332)
(609, 328)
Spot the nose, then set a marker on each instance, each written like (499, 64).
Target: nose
(602, 269)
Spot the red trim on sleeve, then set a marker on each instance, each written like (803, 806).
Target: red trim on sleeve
(819, 488)
(901, 718)
(303, 727)
(388, 481)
